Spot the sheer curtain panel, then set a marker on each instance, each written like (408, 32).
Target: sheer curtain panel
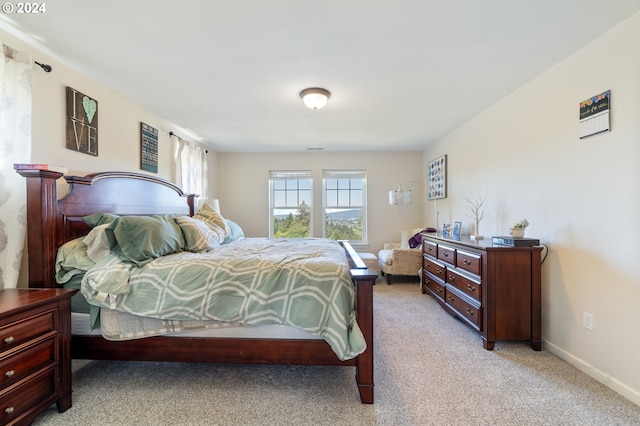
(191, 167)
(15, 147)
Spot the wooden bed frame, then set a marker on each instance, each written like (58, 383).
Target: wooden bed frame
(52, 222)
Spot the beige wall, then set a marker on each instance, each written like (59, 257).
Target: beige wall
(244, 188)
(119, 122)
(582, 198)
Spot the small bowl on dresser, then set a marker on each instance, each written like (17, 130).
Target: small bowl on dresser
(516, 232)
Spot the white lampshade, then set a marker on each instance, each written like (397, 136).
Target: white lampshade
(315, 97)
(400, 196)
(214, 203)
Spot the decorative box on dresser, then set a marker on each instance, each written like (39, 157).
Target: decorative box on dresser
(35, 362)
(494, 289)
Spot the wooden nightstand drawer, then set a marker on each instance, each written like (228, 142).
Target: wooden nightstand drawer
(435, 268)
(466, 285)
(430, 248)
(469, 262)
(465, 309)
(35, 364)
(433, 286)
(447, 254)
(42, 392)
(27, 360)
(15, 333)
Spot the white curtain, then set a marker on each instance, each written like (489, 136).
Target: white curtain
(191, 168)
(15, 147)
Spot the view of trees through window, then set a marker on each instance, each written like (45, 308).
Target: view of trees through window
(344, 206)
(296, 224)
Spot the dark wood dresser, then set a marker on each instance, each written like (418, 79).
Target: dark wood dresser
(494, 289)
(35, 363)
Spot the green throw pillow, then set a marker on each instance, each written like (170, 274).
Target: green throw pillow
(143, 238)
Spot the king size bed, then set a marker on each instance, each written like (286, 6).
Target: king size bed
(298, 305)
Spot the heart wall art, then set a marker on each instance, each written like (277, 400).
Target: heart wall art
(82, 122)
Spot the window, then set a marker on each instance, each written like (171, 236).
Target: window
(290, 195)
(345, 205)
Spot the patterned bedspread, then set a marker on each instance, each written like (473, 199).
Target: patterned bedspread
(300, 282)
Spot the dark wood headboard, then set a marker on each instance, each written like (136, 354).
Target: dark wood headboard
(51, 221)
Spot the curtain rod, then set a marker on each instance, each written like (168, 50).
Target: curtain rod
(45, 67)
(179, 138)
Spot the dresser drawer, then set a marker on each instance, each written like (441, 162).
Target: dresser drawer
(433, 286)
(447, 254)
(26, 361)
(435, 268)
(466, 285)
(465, 309)
(39, 390)
(21, 331)
(430, 248)
(469, 262)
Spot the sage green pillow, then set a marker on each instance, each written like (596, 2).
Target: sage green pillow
(71, 260)
(96, 219)
(143, 238)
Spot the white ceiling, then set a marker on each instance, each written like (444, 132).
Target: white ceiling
(402, 73)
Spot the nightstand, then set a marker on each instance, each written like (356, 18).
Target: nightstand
(35, 348)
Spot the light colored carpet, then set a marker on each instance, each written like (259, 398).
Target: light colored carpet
(429, 369)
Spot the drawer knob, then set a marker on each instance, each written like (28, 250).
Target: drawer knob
(9, 373)
(8, 410)
(470, 312)
(466, 262)
(452, 278)
(445, 254)
(470, 288)
(9, 340)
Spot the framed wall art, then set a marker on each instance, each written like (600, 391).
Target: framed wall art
(82, 122)
(437, 178)
(148, 148)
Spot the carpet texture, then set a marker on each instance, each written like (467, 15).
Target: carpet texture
(430, 369)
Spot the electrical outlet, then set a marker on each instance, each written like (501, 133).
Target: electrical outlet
(587, 320)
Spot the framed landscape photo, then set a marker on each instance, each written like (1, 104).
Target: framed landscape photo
(437, 178)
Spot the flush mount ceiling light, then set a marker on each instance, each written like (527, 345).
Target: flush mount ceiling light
(315, 97)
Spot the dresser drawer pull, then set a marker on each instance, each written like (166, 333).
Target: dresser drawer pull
(470, 288)
(450, 299)
(8, 410)
(9, 373)
(438, 271)
(451, 278)
(445, 254)
(466, 262)
(9, 340)
(470, 312)
(439, 289)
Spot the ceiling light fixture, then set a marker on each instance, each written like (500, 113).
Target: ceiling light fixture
(315, 97)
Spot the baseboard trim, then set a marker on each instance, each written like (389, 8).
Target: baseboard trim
(615, 385)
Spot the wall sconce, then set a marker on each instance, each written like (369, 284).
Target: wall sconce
(400, 197)
(315, 97)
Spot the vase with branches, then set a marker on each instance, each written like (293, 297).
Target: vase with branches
(477, 204)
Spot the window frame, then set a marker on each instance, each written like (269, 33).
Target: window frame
(288, 175)
(346, 174)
